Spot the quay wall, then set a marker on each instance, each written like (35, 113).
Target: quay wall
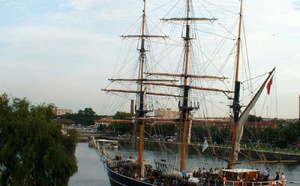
(84, 136)
(223, 152)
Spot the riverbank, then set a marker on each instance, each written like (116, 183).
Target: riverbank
(84, 136)
(257, 153)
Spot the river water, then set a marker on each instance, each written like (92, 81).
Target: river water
(91, 171)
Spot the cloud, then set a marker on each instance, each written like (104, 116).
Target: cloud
(85, 4)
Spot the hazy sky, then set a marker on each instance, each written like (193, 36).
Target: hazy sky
(61, 51)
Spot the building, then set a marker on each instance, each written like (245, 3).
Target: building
(262, 125)
(166, 113)
(102, 121)
(226, 123)
(60, 111)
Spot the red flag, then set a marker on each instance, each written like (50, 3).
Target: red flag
(269, 85)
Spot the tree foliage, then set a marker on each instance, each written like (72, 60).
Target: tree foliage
(253, 118)
(122, 115)
(34, 151)
(102, 128)
(281, 136)
(121, 128)
(85, 117)
(212, 133)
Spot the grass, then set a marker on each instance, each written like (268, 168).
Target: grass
(263, 147)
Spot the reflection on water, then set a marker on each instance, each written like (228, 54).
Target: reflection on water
(91, 171)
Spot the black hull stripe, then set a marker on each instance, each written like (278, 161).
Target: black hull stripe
(115, 182)
(117, 179)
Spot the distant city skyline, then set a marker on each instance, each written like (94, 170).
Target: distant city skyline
(62, 51)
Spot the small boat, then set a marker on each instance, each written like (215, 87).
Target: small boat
(103, 143)
(108, 144)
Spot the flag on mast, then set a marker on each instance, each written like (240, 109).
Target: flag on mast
(269, 86)
(205, 145)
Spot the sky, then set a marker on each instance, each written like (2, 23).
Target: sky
(62, 51)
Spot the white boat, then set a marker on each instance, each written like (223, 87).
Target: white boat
(108, 144)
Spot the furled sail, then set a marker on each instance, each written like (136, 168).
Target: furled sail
(244, 116)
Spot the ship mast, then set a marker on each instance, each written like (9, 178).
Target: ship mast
(184, 106)
(184, 109)
(236, 102)
(141, 92)
(140, 108)
(141, 112)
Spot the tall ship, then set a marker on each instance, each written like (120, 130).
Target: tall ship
(185, 88)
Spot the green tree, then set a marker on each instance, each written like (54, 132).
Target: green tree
(297, 126)
(271, 134)
(122, 115)
(85, 117)
(121, 127)
(199, 133)
(290, 135)
(253, 118)
(165, 130)
(34, 150)
(102, 128)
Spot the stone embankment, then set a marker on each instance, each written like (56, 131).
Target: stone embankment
(84, 136)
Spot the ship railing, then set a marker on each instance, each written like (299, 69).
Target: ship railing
(118, 163)
(208, 181)
(253, 183)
